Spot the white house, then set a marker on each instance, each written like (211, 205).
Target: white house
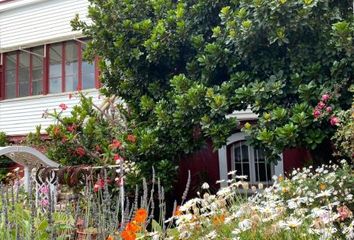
(41, 61)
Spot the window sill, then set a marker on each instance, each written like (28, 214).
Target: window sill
(47, 95)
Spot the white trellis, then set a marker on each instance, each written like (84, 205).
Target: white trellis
(32, 159)
(44, 187)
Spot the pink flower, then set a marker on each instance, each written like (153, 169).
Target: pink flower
(334, 121)
(44, 189)
(321, 105)
(119, 181)
(325, 97)
(329, 109)
(63, 106)
(344, 213)
(44, 202)
(99, 185)
(316, 113)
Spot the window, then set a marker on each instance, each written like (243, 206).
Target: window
(29, 72)
(88, 72)
(37, 71)
(251, 162)
(71, 66)
(24, 74)
(55, 68)
(10, 75)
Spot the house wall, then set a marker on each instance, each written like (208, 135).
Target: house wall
(203, 166)
(28, 23)
(20, 116)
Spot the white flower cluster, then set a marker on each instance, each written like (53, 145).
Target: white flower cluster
(314, 204)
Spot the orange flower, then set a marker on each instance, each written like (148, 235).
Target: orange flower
(56, 130)
(177, 211)
(110, 238)
(132, 227)
(219, 219)
(131, 138)
(115, 144)
(128, 235)
(140, 215)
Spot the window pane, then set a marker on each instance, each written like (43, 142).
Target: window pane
(242, 159)
(71, 66)
(55, 73)
(24, 74)
(10, 75)
(88, 72)
(262, 168)
(37, 71)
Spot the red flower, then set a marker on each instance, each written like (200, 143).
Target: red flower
(63, 106)
(71, 128)
(80, 151)
(328, 109)
(117, 158)
(115, 144)
(334, 121)
(131, 138)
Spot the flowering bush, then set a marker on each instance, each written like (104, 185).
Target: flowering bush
(100, 135)
(344, 136)
(311, 204)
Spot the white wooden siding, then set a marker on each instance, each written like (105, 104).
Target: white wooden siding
(28, 23)
(21, 116)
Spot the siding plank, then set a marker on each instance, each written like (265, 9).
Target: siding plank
(43, 21)
(21, 116)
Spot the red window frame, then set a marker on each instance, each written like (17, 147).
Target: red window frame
(46, 63)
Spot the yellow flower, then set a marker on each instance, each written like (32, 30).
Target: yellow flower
(322, 186)
(280, 178)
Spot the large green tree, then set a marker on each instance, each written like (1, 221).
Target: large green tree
(183, 66)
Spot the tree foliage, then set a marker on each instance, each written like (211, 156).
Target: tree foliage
(183, 66)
